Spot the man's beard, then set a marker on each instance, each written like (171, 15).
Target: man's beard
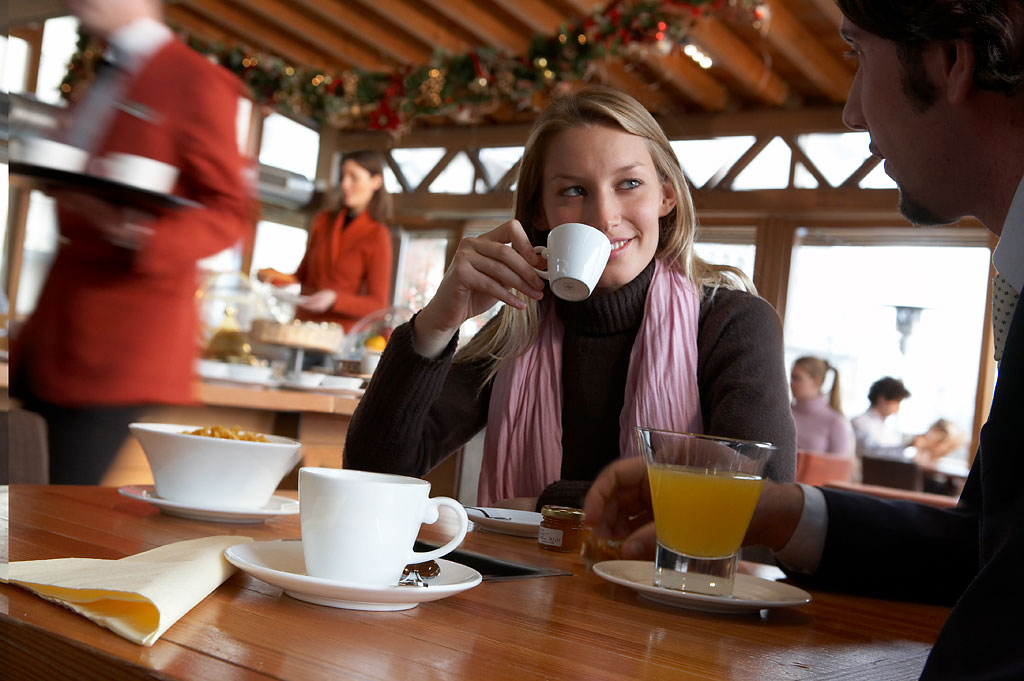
(917, 212)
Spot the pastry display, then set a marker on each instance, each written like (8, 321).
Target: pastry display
(323, 337)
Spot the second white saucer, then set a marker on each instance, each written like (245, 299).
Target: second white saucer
(281, 564)
(277, 506)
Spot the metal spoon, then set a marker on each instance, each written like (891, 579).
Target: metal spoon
(488, 515)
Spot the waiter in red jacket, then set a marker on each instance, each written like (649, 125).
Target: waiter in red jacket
(115, 328)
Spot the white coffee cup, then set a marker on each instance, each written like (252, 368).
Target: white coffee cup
(138, 171)
(576, 255)
(359, 527)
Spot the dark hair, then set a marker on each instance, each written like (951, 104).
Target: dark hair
(995, 27)
(888, 387)
(372, 162)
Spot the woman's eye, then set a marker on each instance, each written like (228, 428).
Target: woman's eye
(573, 191)
(631, 183)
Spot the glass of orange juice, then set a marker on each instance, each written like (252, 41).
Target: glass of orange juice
(703, 492)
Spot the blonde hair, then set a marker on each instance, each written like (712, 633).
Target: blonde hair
(511, 333)
(816, 368)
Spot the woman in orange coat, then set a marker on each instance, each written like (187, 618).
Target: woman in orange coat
(346, 271)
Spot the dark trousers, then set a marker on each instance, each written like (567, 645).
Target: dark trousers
(83, 441)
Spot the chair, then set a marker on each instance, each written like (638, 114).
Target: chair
(813, 468)
(26, 458)
(887, 472)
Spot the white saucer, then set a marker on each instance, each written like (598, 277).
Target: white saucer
(277, 506)
(287, 296)
(749, 593)
(521, 523)
(281, 564)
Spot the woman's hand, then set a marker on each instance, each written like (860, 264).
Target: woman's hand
(618, 505)
(272, 276)
(321, 301)
(484, 271)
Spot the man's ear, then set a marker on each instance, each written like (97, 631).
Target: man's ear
(959, 70)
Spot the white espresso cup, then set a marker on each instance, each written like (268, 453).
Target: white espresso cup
(138, 171)
(359, 527)
(576, 255)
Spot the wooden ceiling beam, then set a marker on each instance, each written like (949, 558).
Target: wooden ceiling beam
(257, 33)
(616, 73)
(487, 27)
(418, 21)
(734, 56)
(302, 28)
(340, 17)
(586, 7)
(831, 10)
(199, 27)
(537, 14)
(682, 74)
(828, 73)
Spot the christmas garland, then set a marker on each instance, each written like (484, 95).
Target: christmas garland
(464, 87)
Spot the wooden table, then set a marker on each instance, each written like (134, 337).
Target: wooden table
(568, 627)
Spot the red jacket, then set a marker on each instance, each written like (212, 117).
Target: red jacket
(116, 326)
(355, 261)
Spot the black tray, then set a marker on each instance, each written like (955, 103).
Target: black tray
(492, 569)
(44, 178)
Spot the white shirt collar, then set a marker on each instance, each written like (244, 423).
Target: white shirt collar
(139, 40)
(1008, 256)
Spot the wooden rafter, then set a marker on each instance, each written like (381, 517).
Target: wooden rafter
(419, 20)
(807, 53)
(724, 178)
(854, 180)
(685, 76)
(486, 26)
(800, 157)
(538, 15)
(334, 46)
(614, 72)
(435, 172)
(341, 18)
(232, 18)
(831, 10)
(732, 54)
(198, 26)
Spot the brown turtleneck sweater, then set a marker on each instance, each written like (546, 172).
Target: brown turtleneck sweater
(417, 411)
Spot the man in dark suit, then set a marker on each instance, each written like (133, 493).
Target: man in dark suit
(940, 87)
(115, 327)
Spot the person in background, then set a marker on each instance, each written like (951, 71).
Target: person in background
(666, 340)
(940, 88)
(941, 439)
(820, 424)
(346, 271)
(873, 435)
(115, 327)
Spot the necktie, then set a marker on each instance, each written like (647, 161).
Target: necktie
(1004, 301)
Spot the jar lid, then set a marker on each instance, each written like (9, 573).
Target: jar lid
(562, 513)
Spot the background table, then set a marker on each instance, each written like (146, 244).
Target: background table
(569, 627)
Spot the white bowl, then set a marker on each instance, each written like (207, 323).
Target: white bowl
(138, 171)
(307, 379)
(41, 151)
(342, 383)
(370, 361)
(211, 368)
(250, 373)
(214, 472)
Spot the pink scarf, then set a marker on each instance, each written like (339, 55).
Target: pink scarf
(523, 444)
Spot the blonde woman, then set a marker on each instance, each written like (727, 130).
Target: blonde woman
(666, 341)
(820, 424)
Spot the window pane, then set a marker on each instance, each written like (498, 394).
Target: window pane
(242, 120)
(15, 64)
(842, 306)
(40, 249)
(421, 267)
(877, 179)
(289, 145)
(416, 163)
(60, 36)
(770, 170)
(278, 246)
(701, 159)
(456, 178)
(740, 256)
(836, 155)
(228, 260)
(498, 160)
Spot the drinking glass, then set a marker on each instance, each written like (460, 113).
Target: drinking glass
(703, 490)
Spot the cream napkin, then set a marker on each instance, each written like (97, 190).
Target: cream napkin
(138, 597)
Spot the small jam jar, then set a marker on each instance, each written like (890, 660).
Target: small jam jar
(561, 529)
